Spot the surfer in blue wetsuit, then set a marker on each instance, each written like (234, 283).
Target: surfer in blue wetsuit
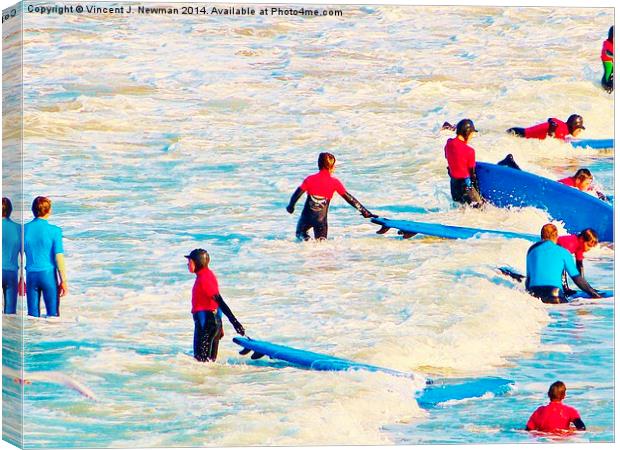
(546, 261)
(206, 303)
(45, 262)
(320, 188)
(11, 249)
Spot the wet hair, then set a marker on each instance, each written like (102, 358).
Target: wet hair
(326, 161)
(41, 206)
(7, 207)
(200, 257)
(610, 35)
(557, 391)
(589, 235)
(549, 232)
(583, 174)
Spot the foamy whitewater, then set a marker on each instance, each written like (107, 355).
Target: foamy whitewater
(154, 135)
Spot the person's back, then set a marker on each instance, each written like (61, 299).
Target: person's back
(322, 184)
(542, 130)
(556, 416)
(545, 263)
(42, 241)
(552, 417)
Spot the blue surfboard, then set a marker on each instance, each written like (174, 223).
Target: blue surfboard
(310, 360)
(510, 272)
(439, 392)
(597, 144)
(435, 391)
(506, 187)
(409, 228)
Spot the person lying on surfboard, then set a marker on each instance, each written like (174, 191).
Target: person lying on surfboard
(546, 262)
(320, 188)
(206, 304)
(582, 180)
(552, 128)
(555, 417)
(462, 164)
(577, 244)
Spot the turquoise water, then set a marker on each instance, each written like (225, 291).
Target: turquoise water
(156, 135)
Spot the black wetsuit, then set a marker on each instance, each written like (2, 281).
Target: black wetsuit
(207, 333)
(314, 215)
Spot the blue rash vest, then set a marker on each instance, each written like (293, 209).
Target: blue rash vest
(545, 263)
(11, 244)
(42, 242)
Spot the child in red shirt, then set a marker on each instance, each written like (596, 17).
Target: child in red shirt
(461, 158)
(320, 188)
(555, 417)
(577, 244)
(552, 127)
(206, 300)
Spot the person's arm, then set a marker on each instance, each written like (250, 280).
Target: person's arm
(579, 264)
(60, 265)
(357, 205)
(531, 423)
(582, 283)
(552, 127)
(228, 313)
(296, 195)
(579, 424)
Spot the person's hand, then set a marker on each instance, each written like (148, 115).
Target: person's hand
(597, 294)
(63, 289)
(290, 209)
(367, 214)
(239, 328)
(553, 125)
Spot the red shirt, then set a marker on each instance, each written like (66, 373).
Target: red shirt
(568, 181)
(540, 131)
(573, 244)
(204, 291)
(608, 46)
(322, 184)
(553, 417)
(461, 158)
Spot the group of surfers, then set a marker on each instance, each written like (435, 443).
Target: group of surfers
(548, 261)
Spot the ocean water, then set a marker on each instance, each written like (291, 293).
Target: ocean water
(154, 135)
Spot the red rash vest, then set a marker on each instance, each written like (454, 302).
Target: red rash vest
(322, 184)
(204, 291)
(573, 244)
(461, 158)
(553, 417)
(540, 131)
(608, 46)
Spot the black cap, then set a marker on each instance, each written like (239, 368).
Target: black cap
(200, 257)
(574, 122)
(465, 127)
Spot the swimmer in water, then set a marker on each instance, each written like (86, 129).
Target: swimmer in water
(206, 300)
(553, 127)
(462, 164)
(582, 180)
(607, 57)
(546, 262)
(320, 188)
(555, 417)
